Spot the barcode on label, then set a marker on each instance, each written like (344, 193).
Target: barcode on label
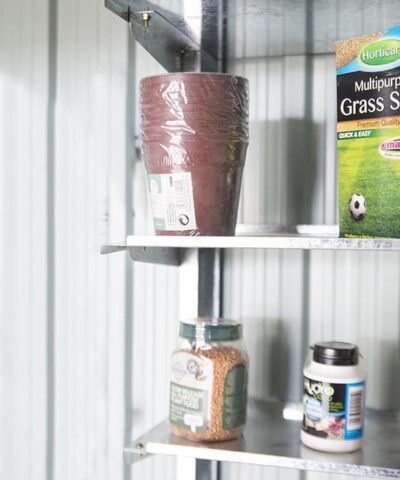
(181, 200)
(356, 402)
(172, 201)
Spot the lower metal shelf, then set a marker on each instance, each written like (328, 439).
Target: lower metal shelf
(272, 438)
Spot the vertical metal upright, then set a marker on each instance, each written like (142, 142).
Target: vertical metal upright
(201, 273)
(190, 40)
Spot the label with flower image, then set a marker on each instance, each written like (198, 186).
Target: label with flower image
(334, 411)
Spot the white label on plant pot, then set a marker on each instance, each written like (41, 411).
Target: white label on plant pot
(171, 196)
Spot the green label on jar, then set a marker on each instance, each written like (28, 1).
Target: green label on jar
(188, 408)
(235, 397)
(190, 392)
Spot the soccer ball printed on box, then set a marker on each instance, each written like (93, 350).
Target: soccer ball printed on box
(357, 206)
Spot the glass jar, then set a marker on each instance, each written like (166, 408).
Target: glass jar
(208, 392)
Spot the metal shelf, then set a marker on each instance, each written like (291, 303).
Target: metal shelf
(271, 440)
(171, 250)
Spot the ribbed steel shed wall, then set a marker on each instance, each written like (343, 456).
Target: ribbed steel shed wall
(85, 340)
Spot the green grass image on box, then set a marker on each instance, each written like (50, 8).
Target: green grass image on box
(363, 170)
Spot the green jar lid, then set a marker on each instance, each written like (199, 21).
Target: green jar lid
(210, 329)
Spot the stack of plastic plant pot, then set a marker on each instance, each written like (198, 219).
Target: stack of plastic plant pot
(194, 129)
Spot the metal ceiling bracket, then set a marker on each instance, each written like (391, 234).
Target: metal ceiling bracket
(190, 40)
(171, 47)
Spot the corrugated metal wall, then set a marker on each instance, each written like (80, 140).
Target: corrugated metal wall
(63, 191)
(23, 241)
(85, 340)
(90, 196)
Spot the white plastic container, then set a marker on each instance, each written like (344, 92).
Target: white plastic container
(334, 398)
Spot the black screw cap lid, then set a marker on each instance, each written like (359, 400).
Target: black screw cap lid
(335, 353)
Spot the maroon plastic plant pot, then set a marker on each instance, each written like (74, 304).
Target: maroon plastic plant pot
(194, 153)
(215, 171)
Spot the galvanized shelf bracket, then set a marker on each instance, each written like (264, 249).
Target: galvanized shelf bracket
(157, 255)
(188, 41)
(171, 47)
(112, 248)
(134, 453)
(147, 254)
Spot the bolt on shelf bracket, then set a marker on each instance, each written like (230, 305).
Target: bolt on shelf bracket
(172, 48)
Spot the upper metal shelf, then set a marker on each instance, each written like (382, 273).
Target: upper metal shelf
(205, 34)
(272, 438)
(259, 28)
(170, 250)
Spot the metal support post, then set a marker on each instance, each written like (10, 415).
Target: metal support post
(200, 295)
(201, 283)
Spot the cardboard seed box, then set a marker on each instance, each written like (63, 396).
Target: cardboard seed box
(368, 134)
